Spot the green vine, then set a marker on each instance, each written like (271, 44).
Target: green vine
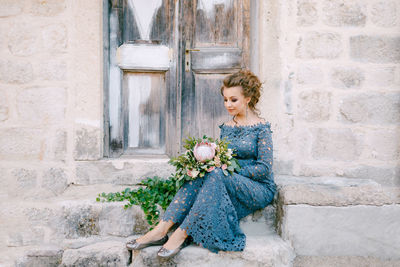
(153, 192)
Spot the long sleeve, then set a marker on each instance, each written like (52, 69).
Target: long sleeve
(262, 169)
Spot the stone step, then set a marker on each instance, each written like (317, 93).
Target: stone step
(76, 214)
(263, 250)
(339, 217)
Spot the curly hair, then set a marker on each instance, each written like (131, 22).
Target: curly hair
(249, 82)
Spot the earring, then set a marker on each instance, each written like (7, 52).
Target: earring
(247, 107)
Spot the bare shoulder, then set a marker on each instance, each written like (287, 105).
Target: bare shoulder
(229, 123)
(257, 120)
(260, 120)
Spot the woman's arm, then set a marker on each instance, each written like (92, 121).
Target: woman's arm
(263, 167)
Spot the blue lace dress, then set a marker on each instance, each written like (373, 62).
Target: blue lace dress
(209, 208)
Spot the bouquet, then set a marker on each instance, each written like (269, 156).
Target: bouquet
(203, 155)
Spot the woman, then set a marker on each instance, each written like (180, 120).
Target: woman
(208, 209)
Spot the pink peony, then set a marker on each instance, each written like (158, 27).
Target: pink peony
(204, 151)
(224, 166)
(211, 169)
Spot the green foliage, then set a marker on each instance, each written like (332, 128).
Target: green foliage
(153, 192)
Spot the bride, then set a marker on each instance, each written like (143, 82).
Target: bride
(207, 210)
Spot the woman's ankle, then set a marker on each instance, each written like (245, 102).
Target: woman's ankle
(162, 227)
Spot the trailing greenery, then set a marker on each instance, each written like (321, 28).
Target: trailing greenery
(153, 192)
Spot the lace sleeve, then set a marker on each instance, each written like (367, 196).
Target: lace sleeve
(262, 169)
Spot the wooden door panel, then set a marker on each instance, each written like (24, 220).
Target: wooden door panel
(216, 60)
(209, 104)
(216, 23)
(144, 95)
(147, 21)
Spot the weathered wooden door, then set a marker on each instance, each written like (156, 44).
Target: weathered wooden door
(215, 37)
(166, 62)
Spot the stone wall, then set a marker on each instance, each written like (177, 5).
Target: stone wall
(335, 103)
(51, 96)
(50, 82)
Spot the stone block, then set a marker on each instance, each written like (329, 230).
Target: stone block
(375, 49)
(52, 219)
(21, 144)
(4, 108)
(283, 167)
(380, 77)
(48, 7)
(55, 180)
(41, 256)
(336, 144)
(372, 108)
(333, 261)
(383, 13)
(341, 13)
(109, 253)
(56, 148)
(121, 172)
(314, 106)
(334, 191)
(80, 220)
(309, 75)
(55, 70)
(16, 71)
(10, 8)
(26, 237)
(314, 45)
(307, 12)
(311, 169)
(45, 105)
(383, 144)
(59, 146)
(360, 230)
(88, 143)
(115, 220)
(26, 179)
(347, 78)
(386, 176)
(24, 40)
(55, 38)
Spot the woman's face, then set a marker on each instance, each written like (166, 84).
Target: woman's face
(234, 100)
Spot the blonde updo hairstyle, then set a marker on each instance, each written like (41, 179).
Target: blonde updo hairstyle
(249, 82)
